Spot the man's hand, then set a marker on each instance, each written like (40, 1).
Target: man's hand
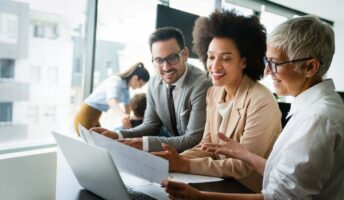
(176, 162)
(126, 122)
(105, 132)
(133, 142)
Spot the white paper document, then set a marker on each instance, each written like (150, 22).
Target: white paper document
(139, 163)
(133, 161)
(192, 178)
(85, 135)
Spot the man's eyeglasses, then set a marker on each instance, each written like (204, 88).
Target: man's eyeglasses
(171, 59)
(273, 65)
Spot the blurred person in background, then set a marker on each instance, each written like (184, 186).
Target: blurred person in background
(109, 94)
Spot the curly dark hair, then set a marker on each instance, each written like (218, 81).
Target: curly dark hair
(247, 33)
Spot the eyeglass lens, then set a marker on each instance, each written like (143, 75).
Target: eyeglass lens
(272, 66)
(171, 59)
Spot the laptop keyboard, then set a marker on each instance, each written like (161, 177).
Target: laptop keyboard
(135, 195)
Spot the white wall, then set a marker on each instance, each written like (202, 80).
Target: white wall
(336, 70)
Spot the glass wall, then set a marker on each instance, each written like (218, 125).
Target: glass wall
(123, 29)
(40, 78)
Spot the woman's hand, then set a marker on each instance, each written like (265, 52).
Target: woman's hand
(180, 190)
(230, 148)
(176, 162)
(234, 149)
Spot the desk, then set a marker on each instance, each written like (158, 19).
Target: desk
(68, 188)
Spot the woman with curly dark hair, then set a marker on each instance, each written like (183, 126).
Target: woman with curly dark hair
(232, 48)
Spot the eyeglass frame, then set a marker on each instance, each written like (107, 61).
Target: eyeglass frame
(273, 65)
(163, 60)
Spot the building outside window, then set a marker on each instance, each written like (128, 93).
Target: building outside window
(5, 113)
(8, 27)
(38, 30)
(37, 99)
(6, 68)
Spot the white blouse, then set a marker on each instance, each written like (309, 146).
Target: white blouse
(307, 160)
(224, 109)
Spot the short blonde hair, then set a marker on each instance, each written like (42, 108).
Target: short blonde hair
(305, 37)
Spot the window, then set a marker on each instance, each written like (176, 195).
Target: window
(118, 41)
(45, 28)
(5, 113)
(43, 103)
(6, 68)
(271, 20)
(8, 27)
(52, 31)
(38, 30)
(123, 30)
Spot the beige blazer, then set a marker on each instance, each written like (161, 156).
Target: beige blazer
(255, 122)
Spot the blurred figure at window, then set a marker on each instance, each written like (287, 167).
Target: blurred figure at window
(109, 94)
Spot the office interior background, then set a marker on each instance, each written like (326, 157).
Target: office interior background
(54, 52)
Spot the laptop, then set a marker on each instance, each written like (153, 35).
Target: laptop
(96, 172)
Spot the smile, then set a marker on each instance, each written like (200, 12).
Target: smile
(168, 72)
(276, 81)
(217, 75)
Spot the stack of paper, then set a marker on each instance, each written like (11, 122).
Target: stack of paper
(139, 163)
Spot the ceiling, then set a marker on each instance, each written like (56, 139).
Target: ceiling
(328, 9)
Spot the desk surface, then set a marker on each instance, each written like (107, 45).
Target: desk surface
(68, 188)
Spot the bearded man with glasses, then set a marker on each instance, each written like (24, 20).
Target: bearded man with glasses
(176, 98)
